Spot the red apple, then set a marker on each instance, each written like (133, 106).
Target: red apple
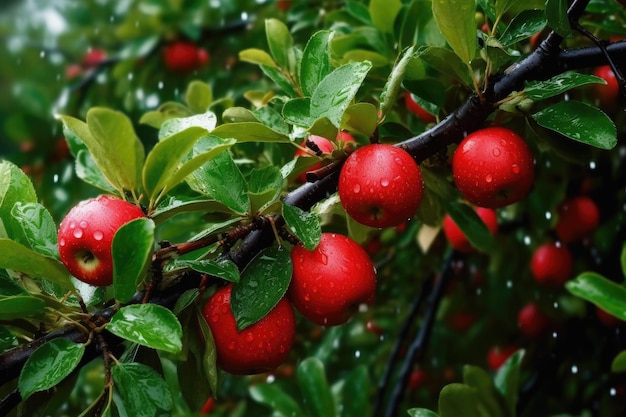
(457, 238)
(86, 234)
(324, 145)
(551, 265)
(532, 322)
(380, 185)
(607, 94)
(578, 217)
(493, 167)
(258, 348)
(332, 280)
(497, 355)
(94, 57)
(184, 57)
(418, 110)
(284, 5)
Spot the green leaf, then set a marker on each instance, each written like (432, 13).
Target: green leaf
(165, 112)
(361, 118)
(540, 90)
(19, 258)
(141, 390)
(316, 393)
(38, 227)
(173, 205)
(486, 393)
(622, 259)
(10, 287)
(446, 62)
(274, 397)
(149, 325)
(391, 89)
(113, 144)
(456, 22)
(169, 368)
(280, 79)
(619, 362)
(132, 248)
(315, 64)
(7, 339)
(249, 132)
(207, 352)
(87, 170)
(356, 393)
(222, 268)
(263, 283)
(171, 127)
(264, 185)
(222, 180)
(335, 93)
(606, 294)
(49, 365)
(471, 225)
(279, 41)
(507, 380)
(558, 21)
(421, 412)
(198, 96)
(503, 6)
(383, 14)
(456, 400)
(581, 122)
(20, 306)
(523, 26)
(304, 225)
(15, 187)
(256, 56)
(297, 111)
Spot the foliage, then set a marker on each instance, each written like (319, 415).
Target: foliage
(209, 156)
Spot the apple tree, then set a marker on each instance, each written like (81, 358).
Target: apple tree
(325, 208)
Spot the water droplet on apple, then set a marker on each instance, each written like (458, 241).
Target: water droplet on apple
(315, 289)
(515, 168)
(488, 178)
(398, 161)
(231, 346)
(502, 142)
(249, 337)
(98, 235)
(215, 318)
(268, 347)
(496, 152)
(307, 297)
(78, 233)
(356, 188)
(72, 225)
(83, 224)
(384, 182)
(324, 258)
(62, 242)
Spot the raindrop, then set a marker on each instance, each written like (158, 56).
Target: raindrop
(215, 318)
(496, 152)
(62, 242)
(307, 297)
(83, 224)
(527, 240)
(556, 305)
(502, 142)
(42, 54)
(548, 215)
(249, 337)
(384, 183)
(231, 346)
(357, 188)
(554, 335)
(398, 161)
(270, 378)
(98, 235)
(315, 289)
(574, 369)
(488, 178)
(515, 168)
(357, 354)
(55, 178)
(592, 165)
(509, 284)
(613, 392)
(78, 233)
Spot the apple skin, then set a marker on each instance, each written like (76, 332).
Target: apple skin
(184, 57)
(551, 265)
(418, 110)
(94, 57)
(497, 355)
(531, 321)
(493, 167)
(329, 282)
(380, 185)
(86, 235)
(606, 94)
(578, 217)
(258, 348)
(457, 238)
(325, 145)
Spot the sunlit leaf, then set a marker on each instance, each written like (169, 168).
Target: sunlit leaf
(49, 365)
(38, 227)
(249, 132)
(315, 64)
(198, 96)
(256, 56)
(279, 41)
(305, 225)
(421, 412)
(383, 13)
(457, 400)
(540, 90)
(265, 185)
(455, 19)
(606, 294)
(523, 26)
(15, 187)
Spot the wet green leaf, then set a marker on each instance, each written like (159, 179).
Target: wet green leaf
(113, 145)
(279, 41)
(356, 393)
(165, 112)
(19, 258)
(361, 118)
(316, 393)
(171, 127)
(421, 412)
(20, 306)
(249, 132)
(297, 111)
(256, 56)
(581, 122)
(315, 64)
(622, 259)
(173, 205)
(142, 391)
(207, 352)
(15, 187)
(619, 362)
(305, 225)
(222, 180)
(280, 79)
(336, 91)
(7, 339)
(507, 380)
(606, 294)
(199, 96)
(132, 248)
(523, 26)
(390, 92)
(456, 22)
(222, 268)
(489, 398)
(456, 400)
(540, 90)
(471, 225)
(276, 398)
(263, 283)
(49, 365)
(149, 325)
(88, 171)
(10, 287)
(558, 21)
(38, 228)
(265, 185)
(383, 13)
(446, 62)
